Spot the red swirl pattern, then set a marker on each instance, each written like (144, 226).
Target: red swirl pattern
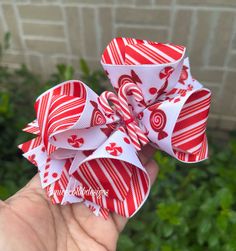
(97, 117)
(158, 122)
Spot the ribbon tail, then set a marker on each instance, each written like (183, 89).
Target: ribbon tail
(30, 145)
(32, 128)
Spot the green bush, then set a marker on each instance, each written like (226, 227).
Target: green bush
(190, 208)
(18, 91)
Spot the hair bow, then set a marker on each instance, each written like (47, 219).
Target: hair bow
(86, 145)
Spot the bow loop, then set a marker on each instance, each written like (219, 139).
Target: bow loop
(67, 116)
(178, 125)
(153, 67)
(114, 167)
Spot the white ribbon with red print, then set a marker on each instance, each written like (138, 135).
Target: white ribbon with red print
(86, 145)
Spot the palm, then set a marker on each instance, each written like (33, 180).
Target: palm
(28, 221)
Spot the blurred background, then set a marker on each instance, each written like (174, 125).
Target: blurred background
(43, 42)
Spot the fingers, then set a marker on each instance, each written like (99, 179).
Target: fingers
(146, 158)
(152, 170)
(120, 221)
(146, 154)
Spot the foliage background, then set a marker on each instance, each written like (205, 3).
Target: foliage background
(190, 208)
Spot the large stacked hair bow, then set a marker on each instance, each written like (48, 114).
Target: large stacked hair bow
(86, 145)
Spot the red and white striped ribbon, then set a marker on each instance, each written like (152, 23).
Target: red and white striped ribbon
(63, 110)
(110, 96)
(137, 136)
(190, 126)
(130, 51)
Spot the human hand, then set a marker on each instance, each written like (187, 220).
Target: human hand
(30, 222)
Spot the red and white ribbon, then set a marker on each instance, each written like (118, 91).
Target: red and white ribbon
(136, 134)
(86, 145)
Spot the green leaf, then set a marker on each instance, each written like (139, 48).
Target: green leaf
(232, 217)
(205, 226)
(4, 193)
(175, 221)
(210, 205)
(69, 73)
(169, 211)
(125, 243)
(136, 225)
(166, 248)
(222, 221)
(84, 67)
(213, 240)
(201, 238)
(4, 103)
(64, 72)
(225, 198)
(167, 230)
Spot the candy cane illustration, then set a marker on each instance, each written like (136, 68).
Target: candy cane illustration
(136, 134)
(125, 78)
(165, 74)
(132, 78)
(46, 170)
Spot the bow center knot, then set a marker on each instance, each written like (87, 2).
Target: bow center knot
(128, 121)
(121, 105)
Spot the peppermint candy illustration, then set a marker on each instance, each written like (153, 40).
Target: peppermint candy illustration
(97, 117)
(113, 149)
(158, 121)
(74, 141)
(183, 75)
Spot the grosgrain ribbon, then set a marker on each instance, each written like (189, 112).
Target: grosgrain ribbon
(87, 144)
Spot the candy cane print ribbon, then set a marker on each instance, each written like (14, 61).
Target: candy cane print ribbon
(89, 142)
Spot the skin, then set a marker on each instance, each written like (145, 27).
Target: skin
(29, 222)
